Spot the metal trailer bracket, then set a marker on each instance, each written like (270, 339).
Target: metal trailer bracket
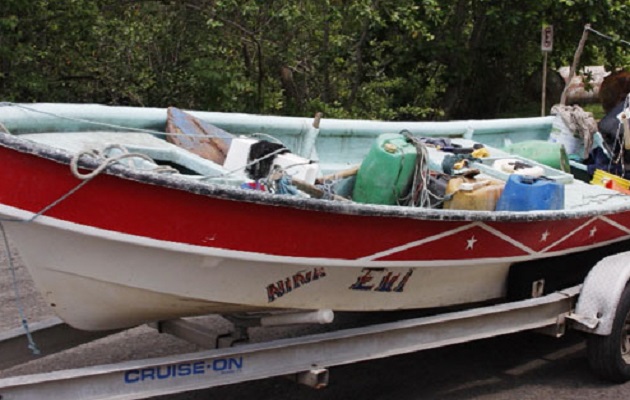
(180, 373)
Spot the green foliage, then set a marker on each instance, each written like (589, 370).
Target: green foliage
(386, 59)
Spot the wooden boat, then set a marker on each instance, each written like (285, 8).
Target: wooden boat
(129, 244)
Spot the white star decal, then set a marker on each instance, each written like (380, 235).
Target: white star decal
(471, 243)
(593, 231)
(543, 237)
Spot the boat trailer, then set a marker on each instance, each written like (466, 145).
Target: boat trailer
(307, 358)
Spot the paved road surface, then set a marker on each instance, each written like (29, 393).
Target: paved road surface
(521, 366)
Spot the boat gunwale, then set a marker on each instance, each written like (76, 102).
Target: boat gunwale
(225, 192)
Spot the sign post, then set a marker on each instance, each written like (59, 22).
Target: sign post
(546, 45)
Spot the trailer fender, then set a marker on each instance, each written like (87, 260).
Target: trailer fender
(601, 293)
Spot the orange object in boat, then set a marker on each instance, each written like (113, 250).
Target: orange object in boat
(611, 184)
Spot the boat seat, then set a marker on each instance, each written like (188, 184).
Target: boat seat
(145, 143)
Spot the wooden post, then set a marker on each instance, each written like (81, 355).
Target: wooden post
(544, 84)
(576, 61)
(546, 45)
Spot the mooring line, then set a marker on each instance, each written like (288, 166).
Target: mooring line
(18, 299)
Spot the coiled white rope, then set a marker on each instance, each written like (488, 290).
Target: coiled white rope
(107, 161)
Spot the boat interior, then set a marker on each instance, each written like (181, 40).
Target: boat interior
(320, 158)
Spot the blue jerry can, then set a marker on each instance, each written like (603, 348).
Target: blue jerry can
(527, 193)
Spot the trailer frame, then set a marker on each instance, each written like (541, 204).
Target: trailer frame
(307, 357)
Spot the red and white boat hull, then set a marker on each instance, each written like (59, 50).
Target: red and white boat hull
(129, 247)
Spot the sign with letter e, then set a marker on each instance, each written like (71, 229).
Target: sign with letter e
(546, 43)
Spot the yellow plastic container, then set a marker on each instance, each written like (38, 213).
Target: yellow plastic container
(471, 194)
(600, 178)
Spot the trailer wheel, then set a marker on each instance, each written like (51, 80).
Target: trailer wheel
(609, 356)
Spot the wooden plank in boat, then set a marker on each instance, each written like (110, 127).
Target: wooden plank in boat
(197, 136)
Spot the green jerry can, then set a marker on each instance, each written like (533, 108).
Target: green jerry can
(550, 154)
(386, 172)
